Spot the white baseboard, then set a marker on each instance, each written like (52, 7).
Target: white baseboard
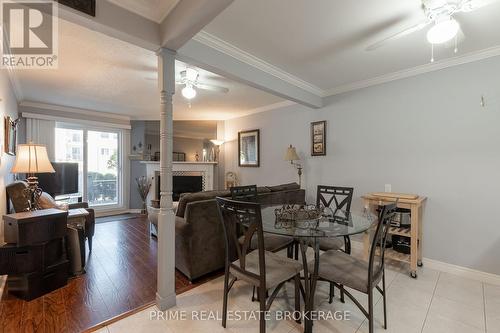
(134, 211)
(461, 271)
(444, 267)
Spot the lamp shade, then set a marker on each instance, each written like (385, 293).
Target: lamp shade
(291, 154)
(32, 158)
(217, 142)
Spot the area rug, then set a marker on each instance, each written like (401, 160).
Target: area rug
(114, 218)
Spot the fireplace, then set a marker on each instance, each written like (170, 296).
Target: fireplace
(182, 183)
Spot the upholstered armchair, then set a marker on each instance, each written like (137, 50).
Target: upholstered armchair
(15, 194)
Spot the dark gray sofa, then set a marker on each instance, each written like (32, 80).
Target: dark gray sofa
(199, 237)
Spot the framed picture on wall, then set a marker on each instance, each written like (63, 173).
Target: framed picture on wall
(10, 127)
(84, 6)
(249, 148)
(318, 138)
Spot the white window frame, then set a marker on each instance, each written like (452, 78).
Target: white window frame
(120, 188)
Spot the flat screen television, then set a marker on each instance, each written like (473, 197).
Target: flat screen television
(63, 181)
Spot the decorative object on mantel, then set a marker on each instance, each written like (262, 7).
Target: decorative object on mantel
(217, 144)
(249, 148)
(179, 157)
(197, 157)
(318, 138)
(32, 159)
(84, 6)
(231, 180)
(291, 155)
(10, 127)
(143, 186)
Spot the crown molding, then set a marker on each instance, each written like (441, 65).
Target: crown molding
(264, 108)
(70, 109)
(423, 69)
(243, 56)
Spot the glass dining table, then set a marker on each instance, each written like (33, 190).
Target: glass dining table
(307, 233)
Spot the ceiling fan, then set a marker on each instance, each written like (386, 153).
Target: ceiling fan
(189, 78)
(439, 14)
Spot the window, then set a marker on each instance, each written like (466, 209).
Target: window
(97, 151)
(70, 150)
(75, 154)
(102, 173)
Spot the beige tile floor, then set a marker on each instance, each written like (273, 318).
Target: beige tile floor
(436, 302)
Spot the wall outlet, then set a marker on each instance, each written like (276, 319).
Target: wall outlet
(387, 188)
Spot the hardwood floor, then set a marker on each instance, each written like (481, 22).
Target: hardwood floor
(121, 276)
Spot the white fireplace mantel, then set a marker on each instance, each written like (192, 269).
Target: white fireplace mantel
(206, 169)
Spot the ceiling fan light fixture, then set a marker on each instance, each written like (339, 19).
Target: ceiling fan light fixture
(188, 92)
(443, 31)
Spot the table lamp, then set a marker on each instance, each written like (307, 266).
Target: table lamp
(32, 159)
(291, 155)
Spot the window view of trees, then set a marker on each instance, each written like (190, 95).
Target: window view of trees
(101, 162)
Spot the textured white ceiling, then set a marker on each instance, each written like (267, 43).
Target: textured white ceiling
(101, 73)
(323, 41)
(155, 10)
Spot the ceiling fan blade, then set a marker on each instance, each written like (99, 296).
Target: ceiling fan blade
(471, 5)
(210, 87)
(399, 35)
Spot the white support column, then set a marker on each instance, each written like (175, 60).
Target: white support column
(165, 295)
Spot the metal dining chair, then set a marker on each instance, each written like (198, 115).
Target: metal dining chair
(260, 268)
(343, 270)
(273, 243)
(338, 199)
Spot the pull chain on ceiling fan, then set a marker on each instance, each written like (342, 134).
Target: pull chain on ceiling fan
(445, 27)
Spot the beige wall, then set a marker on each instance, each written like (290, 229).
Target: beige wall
(8, 107)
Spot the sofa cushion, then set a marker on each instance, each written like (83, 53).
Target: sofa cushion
(284, 187)
(198, 196)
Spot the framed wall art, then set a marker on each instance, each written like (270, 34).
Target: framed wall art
(10, 127)
(249, 148)
(318, 138)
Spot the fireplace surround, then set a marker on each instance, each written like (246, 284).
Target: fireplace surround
(205, 170)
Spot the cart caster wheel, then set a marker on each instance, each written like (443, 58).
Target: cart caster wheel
(413, 274)
(420, 264)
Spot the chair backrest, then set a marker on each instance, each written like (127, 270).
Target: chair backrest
(377, 257)
(335, 197)
(244, 193)
(235, 216)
